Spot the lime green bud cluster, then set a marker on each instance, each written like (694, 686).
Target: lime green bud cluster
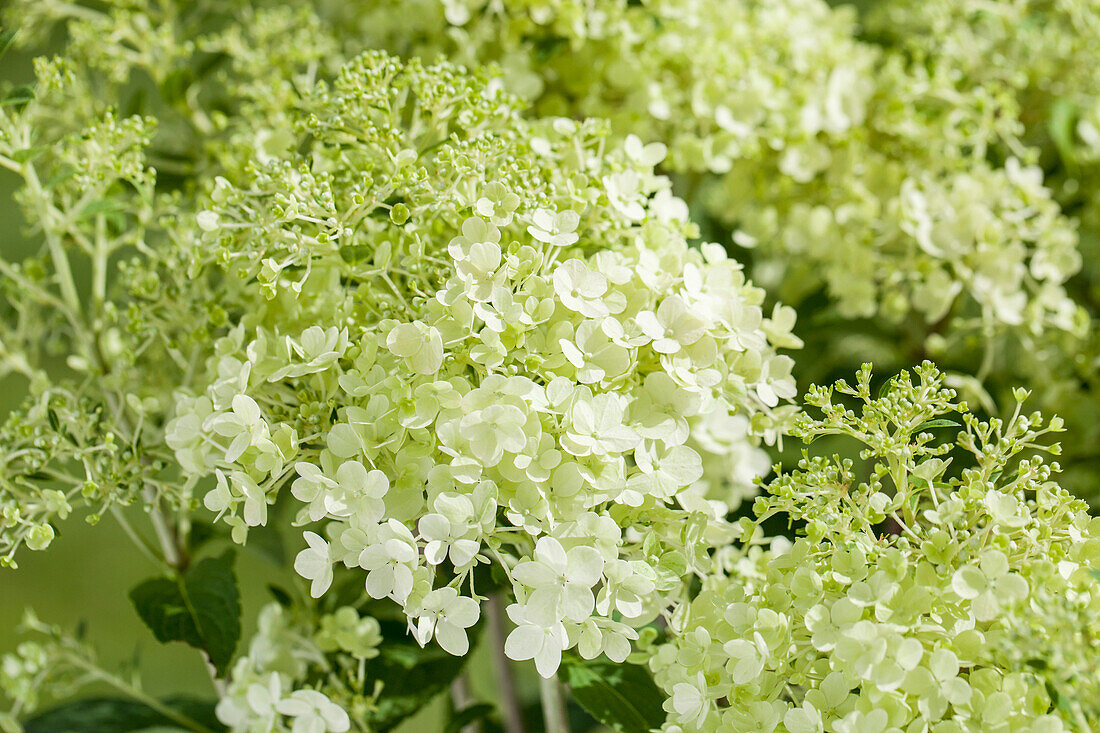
(932, 589)
(301, 676)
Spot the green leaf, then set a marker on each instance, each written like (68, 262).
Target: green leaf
(103, 206)
(6, 38)
(18, 96)
(28, 154)
(119, 715)
(63, 175)
(267, 542)
(471, 714)
(1063, 116)
(621, 696)
(281, 595)
(203, 532)
(937, 423)
(201, 608)
(410, 676)
(885, 388)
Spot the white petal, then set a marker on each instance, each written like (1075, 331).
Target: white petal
(549, 552)
(452, 639)
(548, 659)
(524, 642)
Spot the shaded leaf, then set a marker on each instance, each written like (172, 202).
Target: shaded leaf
(18, 97)
(201, 608)
(480, 712)
(119, 715)
(28, 154)
(267, 542)
(621, 696)
(281, 595)
(1060, 124)
(6, 38)
(103, 206)
(203, 532)
(411, 676)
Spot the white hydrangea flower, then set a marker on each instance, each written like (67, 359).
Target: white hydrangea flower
(927, 626)
(556, 229)
(499, 387)
(559, 582)
(313, 712)
(446, 615)
(315, 564)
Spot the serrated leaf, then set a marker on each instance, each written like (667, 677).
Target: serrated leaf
(621, 696)
(201, 608)
(120, 715)
(937, 423)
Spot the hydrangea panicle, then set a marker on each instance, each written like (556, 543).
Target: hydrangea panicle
(931, 588)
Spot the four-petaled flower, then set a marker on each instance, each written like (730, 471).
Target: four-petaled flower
(313, 712)
(315, 564)
(447, 615)
(557, 230)
(560, 582)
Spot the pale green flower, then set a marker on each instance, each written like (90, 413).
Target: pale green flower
(928, 626)
(315, 564)
(345, 630)
(445, 614)
(313, 712)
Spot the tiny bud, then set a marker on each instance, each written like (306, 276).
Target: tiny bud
(207, 220)
(399, 214)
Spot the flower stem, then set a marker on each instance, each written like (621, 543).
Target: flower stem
(165, 535)
(553, 705)
(462, 699)
(509, 702)
(150, 702)
(137, 539)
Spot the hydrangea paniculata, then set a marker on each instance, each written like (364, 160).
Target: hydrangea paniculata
(946, 585)
(482, 343)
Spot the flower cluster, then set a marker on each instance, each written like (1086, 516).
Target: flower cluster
(1041, 55)
(843, 165)
(506, 371)
(470, 347)
(916, 596)
(269, 687)
(85, 435)
(932, 195)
